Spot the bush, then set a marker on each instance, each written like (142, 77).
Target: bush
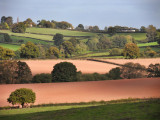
(42, 78)
(115, 52)
(19, 28)
(7, 37)
(64, 72)
(114, 74)
(133, 70)
(154, 70)
(22, 96)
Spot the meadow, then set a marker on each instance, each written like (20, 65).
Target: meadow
(54, 31)
(10, 46)
(142, 110)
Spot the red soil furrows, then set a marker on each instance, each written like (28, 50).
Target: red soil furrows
(70, 92)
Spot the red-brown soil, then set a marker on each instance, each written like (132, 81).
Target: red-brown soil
(46, 66)
(70, 92)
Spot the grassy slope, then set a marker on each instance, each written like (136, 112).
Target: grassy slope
(148, 110)
(54, 31)
(42, 37)
(147, 44)
(9, 46)
(137, 36)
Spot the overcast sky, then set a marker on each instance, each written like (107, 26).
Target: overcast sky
(131, 13)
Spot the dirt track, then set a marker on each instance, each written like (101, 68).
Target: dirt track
(46, 66)
(87, 91)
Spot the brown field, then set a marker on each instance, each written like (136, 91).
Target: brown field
(46, 66)
(87, 91)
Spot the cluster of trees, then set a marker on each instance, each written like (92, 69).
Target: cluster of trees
(6, 22)
(6, 54)
(54, 24)
(14, 72)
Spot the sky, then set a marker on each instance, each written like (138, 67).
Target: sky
(131, 13)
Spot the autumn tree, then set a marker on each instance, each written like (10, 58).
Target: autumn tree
(131, 51)
(64, 72)
(22, 96)
(53, 52)
(133, 70)
(29, 50)
(13, 72)
(6, 53)
(151, 33)
(58, 39)
(154, 70)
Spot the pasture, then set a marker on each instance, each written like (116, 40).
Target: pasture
(54, 31)
(10, 46)
(142, 110)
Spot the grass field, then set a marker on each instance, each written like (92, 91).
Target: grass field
(148, 44)
(17, 38)
(9, 46)
(136, 36)
(144, 110)
(41, 37)
(54, 31)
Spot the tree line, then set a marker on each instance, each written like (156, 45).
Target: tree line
(16, 72)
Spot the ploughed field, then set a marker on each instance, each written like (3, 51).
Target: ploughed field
(73, 92)
(85, 66)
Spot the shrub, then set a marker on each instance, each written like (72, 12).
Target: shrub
(133, 70)
(115, 52)
(22, 96)
(42, 78)
(64, 72)
(154, 70)
(7, 37)
(53, 52)
(114, 73)
(19, 28)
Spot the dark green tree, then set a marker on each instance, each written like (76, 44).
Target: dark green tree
(22, 96)
(64, 72)
(80, 27)
(58, 39)
(7, 37)
(131, 51)
(114, 74)
(143, 29)
(19, 28)
(29, 50)
(42, 78)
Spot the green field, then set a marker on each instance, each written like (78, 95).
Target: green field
(10, 46)
(41, 37)
(136, 36)
(54, 31)
(148, 44)
(142, 110)
(17, 38)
